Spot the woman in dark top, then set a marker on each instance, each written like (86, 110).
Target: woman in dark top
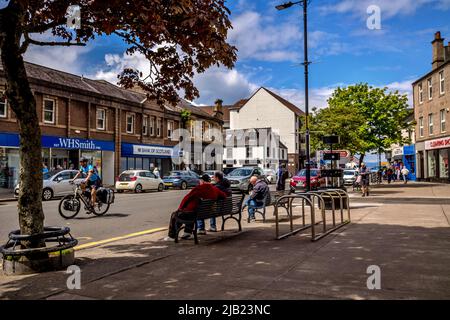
(364, 172)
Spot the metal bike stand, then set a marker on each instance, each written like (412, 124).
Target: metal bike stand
(296, 196)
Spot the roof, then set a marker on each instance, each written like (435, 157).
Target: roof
(238, 105)
(101, 87)
(225, 111)
(431, 72)
(183, 104)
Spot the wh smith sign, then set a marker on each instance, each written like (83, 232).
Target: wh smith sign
(152, 151)
(74, 143)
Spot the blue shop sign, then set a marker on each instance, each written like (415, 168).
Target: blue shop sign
(13, 140)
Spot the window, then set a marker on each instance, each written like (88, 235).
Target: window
(430, 124)
(3, 110)
(169, 129)
(420, 93)
(229, 153)
(442, 82)
(158, 127)
(430, 90)
(130, 123)
(267, 152)
(442, 117)
(152, 126)
(101, 119)
(49, 111)
(145, 125)
(421, 126)
(248, 152)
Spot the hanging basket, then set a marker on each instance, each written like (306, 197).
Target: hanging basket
(57, 254)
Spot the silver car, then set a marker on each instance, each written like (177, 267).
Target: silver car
(56, 184)
(240, 178)
(350, 176)
(271, 175)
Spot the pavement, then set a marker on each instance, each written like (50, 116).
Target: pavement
(402, 229)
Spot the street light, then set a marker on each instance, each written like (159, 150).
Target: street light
(304, 4)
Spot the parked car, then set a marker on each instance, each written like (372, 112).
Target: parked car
(350, 177)
(271, 175)
(299, 181)
(240, 178)
(56, 184)
(181, 179)
(226, 171)
(138, 181)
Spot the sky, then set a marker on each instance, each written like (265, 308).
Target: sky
(342, 49)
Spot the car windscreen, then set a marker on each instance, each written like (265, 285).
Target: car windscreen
(241, 172)
(349, 173)
(302, 173)
(175, 173)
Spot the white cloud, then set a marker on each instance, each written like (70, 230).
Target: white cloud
(258, 37)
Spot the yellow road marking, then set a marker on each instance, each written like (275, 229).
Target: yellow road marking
(97, 243)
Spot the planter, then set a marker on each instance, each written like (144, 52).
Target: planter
(57, 254)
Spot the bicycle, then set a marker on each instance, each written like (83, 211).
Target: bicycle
(70, 205)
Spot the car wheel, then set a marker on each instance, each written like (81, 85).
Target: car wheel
(138, 188)
(160, 187)
(183, 185)
(47, 194)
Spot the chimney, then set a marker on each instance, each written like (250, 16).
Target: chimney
(438, 51)
(218, 112)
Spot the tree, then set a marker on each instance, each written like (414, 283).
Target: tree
(178, 38)
(365, 118)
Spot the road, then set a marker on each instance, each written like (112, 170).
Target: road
(130, 213)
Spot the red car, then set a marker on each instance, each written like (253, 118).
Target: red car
(299, 181)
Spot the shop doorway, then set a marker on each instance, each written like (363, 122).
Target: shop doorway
(74, 159)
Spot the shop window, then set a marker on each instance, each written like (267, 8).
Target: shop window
(3, 105)
(442, 82)
(420, 93)
(49, 111)
(442, 117)
(430, 90)
(430, 124)
(431, 164)
(101, 119)
(130, 123)
(443, 163)
(145, 125)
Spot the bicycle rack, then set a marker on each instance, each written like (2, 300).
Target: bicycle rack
(309, 198)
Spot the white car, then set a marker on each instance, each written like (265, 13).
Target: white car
(56, 184)
(350, 176)
(138, 181)
(271, 175)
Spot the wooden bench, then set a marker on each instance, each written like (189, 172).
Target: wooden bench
(229, 208)
(270, 200)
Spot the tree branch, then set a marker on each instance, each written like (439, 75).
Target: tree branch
(29, 41)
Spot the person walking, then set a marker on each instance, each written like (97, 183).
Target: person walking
(405, 173)
(365, 176)
(389, 174)
(156, 172)
(282, 175)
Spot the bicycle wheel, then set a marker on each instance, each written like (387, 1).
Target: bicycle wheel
(69, 206)
(100, 208)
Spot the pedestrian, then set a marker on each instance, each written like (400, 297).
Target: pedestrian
(156, 172)
(405, 173)
(223, 185)
(44, 168)
(389, 174)
(282, 175)
(257, 196)
(365, 175)
(397, 173)
(190, 203)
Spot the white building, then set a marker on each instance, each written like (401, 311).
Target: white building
(254, 147)
(265, 109)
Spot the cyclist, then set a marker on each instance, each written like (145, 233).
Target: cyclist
(92, 180)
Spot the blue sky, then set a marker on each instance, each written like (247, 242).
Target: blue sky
(343, 50)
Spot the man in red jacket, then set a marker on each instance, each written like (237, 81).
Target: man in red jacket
(190, 202)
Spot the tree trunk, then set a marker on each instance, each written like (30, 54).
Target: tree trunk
(22, 102)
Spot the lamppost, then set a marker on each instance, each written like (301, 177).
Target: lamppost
(304, 4)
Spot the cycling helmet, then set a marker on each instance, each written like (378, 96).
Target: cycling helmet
(83, 159)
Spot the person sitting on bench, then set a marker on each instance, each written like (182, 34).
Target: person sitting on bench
(257, 196)
(189, 204)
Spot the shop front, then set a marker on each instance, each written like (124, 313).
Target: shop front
(146, 157)
(58, 153)
(437, 155)
(409, 161)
